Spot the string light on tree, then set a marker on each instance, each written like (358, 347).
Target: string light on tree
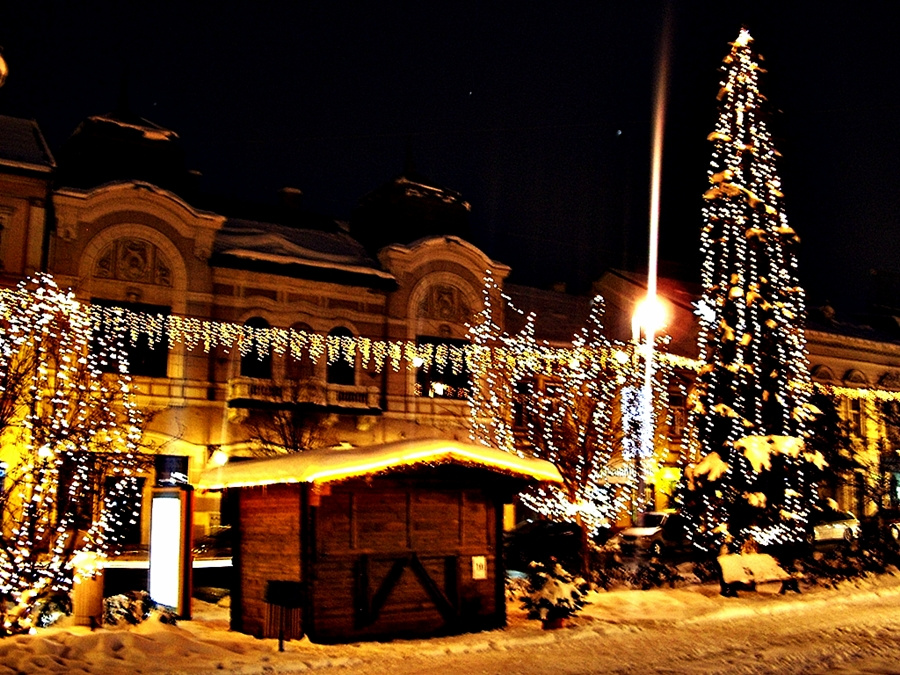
(529, 400)
(69, 431)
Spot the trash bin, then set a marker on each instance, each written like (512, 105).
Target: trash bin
(284, 616)
(87, 600)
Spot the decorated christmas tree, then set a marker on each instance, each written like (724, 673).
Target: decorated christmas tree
(68, 435)
(750, 407)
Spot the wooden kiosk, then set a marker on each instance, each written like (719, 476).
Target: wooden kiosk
(397, 540)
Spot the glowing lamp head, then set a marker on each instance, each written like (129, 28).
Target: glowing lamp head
(649, 316)
(219, 458)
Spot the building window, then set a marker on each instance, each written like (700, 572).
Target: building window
(678, 415)
(856, 417)
(302, 369)
(443, 372)
(5, 214)
(257, 362)
(890, 413)
(86, 485)
(145, 358)
(340, 370)
(129, 532)
(76, 489)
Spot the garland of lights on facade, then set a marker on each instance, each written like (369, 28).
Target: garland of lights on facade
(169, 331)
(66, 408)
(755, 378)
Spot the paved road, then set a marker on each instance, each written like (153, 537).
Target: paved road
(855, 634)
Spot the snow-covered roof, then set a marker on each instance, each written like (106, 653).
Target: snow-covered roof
(23, 146)
(328, 465)
(149, 130)
(252, 241)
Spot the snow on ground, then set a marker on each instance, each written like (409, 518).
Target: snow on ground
(689, 629)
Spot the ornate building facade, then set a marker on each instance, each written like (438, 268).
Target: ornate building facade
(138, 235)
(122, 241)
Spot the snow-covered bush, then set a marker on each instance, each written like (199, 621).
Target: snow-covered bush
(829, 568)
(133, 608)
(52, 608)
(605, 568)
(552, 593)
(516, 585)
(654, 574)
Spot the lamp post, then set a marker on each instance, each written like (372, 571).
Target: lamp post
(648, 319)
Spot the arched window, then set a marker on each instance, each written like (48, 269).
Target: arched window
(339, 370)
(145, 357)
(821, 373)
(302, 369)
(446, 375)
(258, 361)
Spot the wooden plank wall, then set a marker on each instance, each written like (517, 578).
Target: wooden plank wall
(365, 527)
(268, 540)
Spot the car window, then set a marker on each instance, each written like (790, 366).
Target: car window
(649, 519)
(674, 526)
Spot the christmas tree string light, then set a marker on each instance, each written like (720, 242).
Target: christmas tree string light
(754, 381)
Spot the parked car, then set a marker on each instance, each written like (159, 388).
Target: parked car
(831, 525)
(540, 540)
(654, 533)
(217, 544)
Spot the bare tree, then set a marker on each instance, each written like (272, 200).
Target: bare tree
(295, 426)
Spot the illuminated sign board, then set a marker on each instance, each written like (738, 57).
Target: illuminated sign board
(169, 569)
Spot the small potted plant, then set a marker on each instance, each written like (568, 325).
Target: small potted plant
(552, 594)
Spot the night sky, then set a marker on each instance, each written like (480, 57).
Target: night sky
(537, 112)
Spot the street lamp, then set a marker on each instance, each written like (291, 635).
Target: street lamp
(649, 318)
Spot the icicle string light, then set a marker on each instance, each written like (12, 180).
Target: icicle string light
(171, 330)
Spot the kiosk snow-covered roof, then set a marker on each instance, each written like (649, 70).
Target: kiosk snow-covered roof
(329, 464)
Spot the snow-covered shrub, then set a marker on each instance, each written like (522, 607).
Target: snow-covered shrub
(133, 608)
(654, 574)
(605, 567)
(516, 585)
(552, 593)
(52, 608)
(706, 570)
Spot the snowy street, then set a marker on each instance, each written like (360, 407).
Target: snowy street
(691, 629)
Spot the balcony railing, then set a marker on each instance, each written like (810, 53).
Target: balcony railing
(247, 392)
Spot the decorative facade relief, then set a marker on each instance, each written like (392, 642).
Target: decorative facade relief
(890, 380)
(443, 302)
(134, 260)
